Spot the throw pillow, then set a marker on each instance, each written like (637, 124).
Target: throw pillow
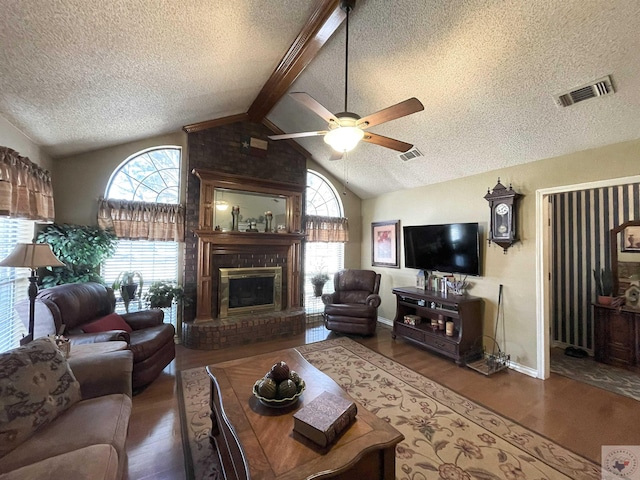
(36, 385)
(113, 321)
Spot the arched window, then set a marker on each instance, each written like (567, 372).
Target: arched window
(322, 200)
(151, 176)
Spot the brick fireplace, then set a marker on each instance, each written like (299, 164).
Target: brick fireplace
(217, 161)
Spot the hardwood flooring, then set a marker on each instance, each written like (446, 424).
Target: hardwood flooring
(578, 416)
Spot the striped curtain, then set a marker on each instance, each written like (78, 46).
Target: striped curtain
(581, 224)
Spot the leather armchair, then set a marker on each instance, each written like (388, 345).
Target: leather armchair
(151, 340)
(353, 306)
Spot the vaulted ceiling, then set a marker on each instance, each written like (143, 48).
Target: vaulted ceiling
(76, 76)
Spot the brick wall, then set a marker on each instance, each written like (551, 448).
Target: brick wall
(219, 149)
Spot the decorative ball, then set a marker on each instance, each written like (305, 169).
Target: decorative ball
(279, 372)
(293, 375)
(286, 389)
(267, 388)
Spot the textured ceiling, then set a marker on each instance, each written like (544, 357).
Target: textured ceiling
(80, 75)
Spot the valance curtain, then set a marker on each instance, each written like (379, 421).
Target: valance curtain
(141, 220)
(327, 229)
(25, 188)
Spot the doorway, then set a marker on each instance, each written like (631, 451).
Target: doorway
(546, 278)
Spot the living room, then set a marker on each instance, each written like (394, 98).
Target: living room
(577, 157)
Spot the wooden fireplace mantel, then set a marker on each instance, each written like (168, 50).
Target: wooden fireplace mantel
(212, 242)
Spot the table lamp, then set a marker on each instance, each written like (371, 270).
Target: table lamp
(32, 256)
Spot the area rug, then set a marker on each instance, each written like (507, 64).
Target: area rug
(587, 370)
(447, 436)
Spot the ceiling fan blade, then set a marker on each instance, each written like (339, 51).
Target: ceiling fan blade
(386, 142)
(313, 105)
(398, 110)
(297, 135)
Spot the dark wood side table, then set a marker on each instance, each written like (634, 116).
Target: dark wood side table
(617, 336)
(258, 442)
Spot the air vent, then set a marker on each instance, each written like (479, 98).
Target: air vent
(410, 155)
(600, 87)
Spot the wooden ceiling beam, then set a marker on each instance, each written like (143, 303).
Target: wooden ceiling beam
(323, 22)
(196, 127)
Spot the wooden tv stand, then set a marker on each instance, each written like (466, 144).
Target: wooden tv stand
(463, 310)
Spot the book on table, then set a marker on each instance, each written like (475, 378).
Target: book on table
(324, 418)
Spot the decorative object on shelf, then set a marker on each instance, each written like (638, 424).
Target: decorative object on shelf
(458, 287)
(503, 204)
(318, 280)
(31, 256)
(385, 244)
(421, 280)
(235, 214)
(268, 219)
(280, 387)
(604, 285)
(632, 293)
(412, 319)
(282, 228)
(126, 283)
(449, 329)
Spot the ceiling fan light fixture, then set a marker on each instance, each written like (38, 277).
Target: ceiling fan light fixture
(344, 139)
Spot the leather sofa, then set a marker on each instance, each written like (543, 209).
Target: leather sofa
(353, 306)
(79, 304)
(83, 441)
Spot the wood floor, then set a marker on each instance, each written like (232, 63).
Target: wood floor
(573, 414)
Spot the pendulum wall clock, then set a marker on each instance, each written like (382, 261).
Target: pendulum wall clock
(503, 203)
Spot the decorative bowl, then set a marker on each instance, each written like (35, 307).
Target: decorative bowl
(278, 402)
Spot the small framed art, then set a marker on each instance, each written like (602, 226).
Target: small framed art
(631, 239)
(385, 244)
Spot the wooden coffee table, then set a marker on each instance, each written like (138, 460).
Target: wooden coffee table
(257, 442)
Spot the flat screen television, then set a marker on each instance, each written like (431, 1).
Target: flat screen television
(449, 248)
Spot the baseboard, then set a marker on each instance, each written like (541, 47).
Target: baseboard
(385, 321)
(532, 372)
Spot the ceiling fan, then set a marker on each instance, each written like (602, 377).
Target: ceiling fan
(346, 129)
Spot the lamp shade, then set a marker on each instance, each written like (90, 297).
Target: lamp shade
(344, 139)
(31, 255)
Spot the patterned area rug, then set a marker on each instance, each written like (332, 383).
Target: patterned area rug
(446, 435)
(587, 370)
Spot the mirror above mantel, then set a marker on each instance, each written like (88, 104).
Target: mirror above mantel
(253, 198)
(251, 209)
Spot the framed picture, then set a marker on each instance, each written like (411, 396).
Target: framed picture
(385, 244)
(631, 239)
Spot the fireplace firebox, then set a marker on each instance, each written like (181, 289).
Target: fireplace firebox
(249, 290)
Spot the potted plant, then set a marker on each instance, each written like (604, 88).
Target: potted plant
(126, 283)
(318, 280)
(81, 248)
(604, 285)
(163, 292)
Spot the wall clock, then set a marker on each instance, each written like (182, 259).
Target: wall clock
(503, 203)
